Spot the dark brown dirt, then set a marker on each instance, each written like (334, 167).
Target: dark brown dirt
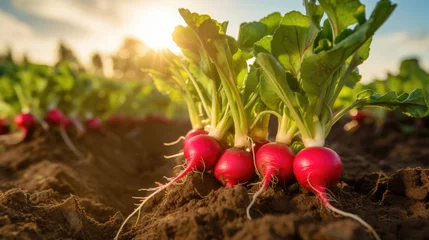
(47, 193)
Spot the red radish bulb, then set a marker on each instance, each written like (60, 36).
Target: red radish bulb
(54, 116)
(316, 169)
(273, 160)
(234, 166)
(189, 135)
(94, 123)
(201, 153)
(25, 121)
(193, 133)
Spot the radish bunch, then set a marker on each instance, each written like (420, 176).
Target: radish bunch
(300, 69)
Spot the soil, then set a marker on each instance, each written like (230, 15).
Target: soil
(46, 192)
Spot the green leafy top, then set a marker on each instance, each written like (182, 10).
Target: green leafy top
(252, 32)
(305, 65)
(410, 77)
(221, 60)
(38, 88)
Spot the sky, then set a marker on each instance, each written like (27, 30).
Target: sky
(34, 27)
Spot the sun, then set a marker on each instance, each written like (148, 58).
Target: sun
(155, 27)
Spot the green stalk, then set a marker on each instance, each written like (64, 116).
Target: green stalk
(193, 112)
(214, 101)
(25, 107)
(344, 111)
(194, 116)
(286, 130)
(223, 126)
(342, 82)
(215, 107)
(293, 130)
(261, 114)
(300, 124)
(197, 88)
(307, 12)
(237, 108)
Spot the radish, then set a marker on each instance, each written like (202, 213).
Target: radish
(305, 84)
(94, 123)
(54, 116)
(316, 169)
(323, 164)
(201, 153)
(191, 134)
(274, 162)
(235, 166)
(25, 121)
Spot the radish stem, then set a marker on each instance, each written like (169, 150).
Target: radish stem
(350, 215)
(174, 142)
(266, 180)
(174, 155)
(145, 199)
(69, 143)
(323, 197)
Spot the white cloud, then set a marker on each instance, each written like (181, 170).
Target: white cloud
(90, 15)
(388, 50)
(13, 26)
(22, 39)
(102, 20)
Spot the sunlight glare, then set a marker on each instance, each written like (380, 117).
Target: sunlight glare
(156, 26)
